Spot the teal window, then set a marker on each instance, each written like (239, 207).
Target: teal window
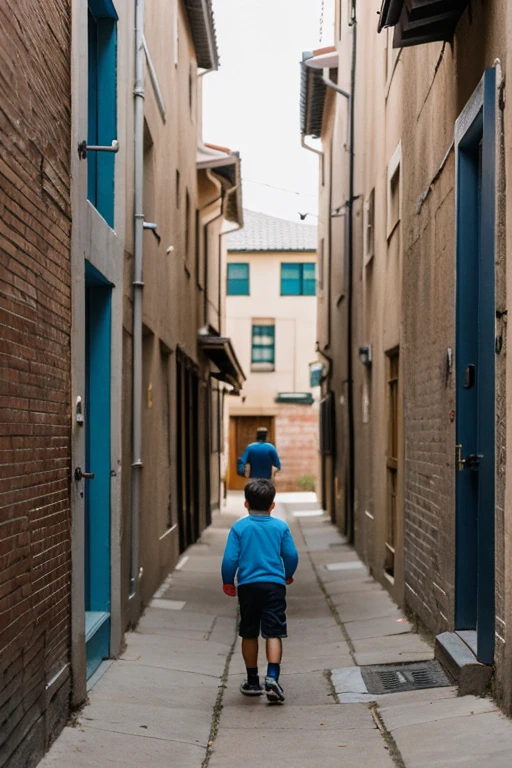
(102, 105)
(238, 280)
(263, 346)
(298, 279)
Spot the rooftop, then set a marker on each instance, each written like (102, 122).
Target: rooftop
(268, 233)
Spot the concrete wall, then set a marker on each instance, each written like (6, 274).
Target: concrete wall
(35, 333)
(295, 338)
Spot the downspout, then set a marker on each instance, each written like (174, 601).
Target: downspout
(232, 191)
(138, 226)
(350, 96)
(349, 527)
(206, 226)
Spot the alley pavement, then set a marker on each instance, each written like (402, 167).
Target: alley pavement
(173, 700)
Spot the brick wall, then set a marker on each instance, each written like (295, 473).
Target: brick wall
(429, 397)
(297, 443)
(35, 318)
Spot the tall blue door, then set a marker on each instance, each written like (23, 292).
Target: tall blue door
(475, 365)
(97, 488)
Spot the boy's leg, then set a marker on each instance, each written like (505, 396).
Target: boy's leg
(250, 616)
(274, 650)
(273, 625)
(250, 651)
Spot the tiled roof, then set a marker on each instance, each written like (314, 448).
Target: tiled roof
(268, 233)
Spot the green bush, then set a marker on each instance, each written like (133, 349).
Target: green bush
(307, 483)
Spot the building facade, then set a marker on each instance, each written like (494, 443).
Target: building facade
(415, 156)
(114, 353)
(270, 310)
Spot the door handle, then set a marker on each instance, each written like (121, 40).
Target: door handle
(472, 460)
(79, 475)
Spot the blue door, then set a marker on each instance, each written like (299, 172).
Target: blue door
(97, 489)
(475, 364)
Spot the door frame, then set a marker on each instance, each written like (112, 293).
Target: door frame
(475, 258)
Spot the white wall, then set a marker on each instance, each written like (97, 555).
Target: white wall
(295, 330)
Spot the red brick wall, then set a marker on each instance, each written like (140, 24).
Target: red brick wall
(35, 319)
(297, 443)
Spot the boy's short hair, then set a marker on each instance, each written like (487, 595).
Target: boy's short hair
(261, 433)
(260, 494)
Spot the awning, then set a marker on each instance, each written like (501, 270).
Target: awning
(313, 89)
(202, 29)
(225, 164)
(421, 21)
(219, 350)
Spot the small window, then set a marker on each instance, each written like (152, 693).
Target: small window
(298, 279)
(238, 280)
(102, 105)
(369, 227)
(178, 188)
(394, 191)
(263, 345)
(187, 232)
(392, 460)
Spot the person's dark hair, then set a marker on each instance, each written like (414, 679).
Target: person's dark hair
(261, 434)
(260, 494)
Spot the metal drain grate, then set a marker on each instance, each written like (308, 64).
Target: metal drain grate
(404, 677)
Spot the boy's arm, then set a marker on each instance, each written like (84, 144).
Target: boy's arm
(230, 559)
(242, 462)
(275, 460)
(289, 554)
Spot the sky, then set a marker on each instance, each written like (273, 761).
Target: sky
(251, 104)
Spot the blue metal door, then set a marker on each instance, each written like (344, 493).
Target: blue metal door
(475, 352)
(97, 490)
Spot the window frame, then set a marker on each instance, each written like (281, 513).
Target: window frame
(102, 96)
(264, 366)
(248, 279)
(301, 279)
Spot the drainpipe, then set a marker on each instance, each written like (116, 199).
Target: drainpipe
(206, 226)
(350, 96)
(138, 224)
(349, 526)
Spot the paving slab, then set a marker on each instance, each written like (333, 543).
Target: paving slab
(325, 749)
(392, 649)
(369, 628)
(262, 716)
(464, 742)
(399, 715)
(90, 748)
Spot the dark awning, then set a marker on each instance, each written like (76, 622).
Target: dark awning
(313, 89)
(219, 350)
(421, 21)
(202, 28)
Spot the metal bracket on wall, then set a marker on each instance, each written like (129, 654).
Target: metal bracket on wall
(84, 148)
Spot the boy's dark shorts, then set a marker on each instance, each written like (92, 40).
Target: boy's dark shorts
(262, 608)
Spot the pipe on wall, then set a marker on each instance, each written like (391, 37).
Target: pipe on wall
(137, 284)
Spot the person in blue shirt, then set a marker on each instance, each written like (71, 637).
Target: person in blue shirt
(261, 552)
(261, 457)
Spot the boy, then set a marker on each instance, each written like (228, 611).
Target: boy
(261, 549)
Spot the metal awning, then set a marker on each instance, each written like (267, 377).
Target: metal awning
(202, 29)
(421, 21)
(313, 89)
(219, 350)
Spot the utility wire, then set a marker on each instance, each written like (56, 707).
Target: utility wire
(281, 189)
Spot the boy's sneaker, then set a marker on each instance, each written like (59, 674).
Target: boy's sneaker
(251, 689)
(275, 693)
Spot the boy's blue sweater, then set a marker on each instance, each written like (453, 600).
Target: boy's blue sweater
(260, 548)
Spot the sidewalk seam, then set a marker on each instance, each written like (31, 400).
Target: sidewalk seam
(217, 707)
(394, 751)
(330, 603)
